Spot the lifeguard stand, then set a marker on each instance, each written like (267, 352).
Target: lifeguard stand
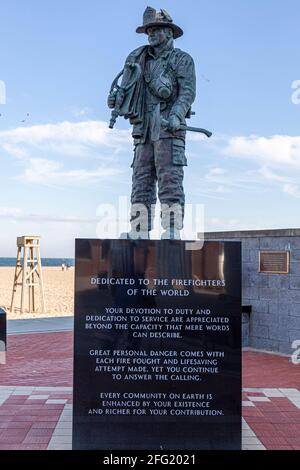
(28, 273)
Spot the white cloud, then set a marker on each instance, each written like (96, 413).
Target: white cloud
(291, 189)
(222, 189)
(216, 171)
(196, 137)
(221, 183)
(270, 175)
(65, 138)
(9, 212)
(51, 172)
(44, 151)
(226, 224)
(279, 151)
(16, 214)
(278, 157)
(283, 183)
(12, 149)
(81, 112)
(219, 180)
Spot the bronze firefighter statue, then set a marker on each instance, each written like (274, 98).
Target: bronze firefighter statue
(157, 90)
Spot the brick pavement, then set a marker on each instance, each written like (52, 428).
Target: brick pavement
(274, 416)
(269, 370)
(29, 415)
(43, 359)
(36, 396)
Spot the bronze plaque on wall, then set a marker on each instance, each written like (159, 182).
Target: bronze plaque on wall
(275, 262)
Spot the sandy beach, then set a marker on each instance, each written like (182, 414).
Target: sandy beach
(58, 289)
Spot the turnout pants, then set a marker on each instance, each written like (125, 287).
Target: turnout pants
(159, 164)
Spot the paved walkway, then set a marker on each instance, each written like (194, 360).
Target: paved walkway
(37, 325)
(269, 370)
(35, 418)
(273, 415)
(35, 414)
(40, 359)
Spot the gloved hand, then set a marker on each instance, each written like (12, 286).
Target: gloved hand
(174, 123)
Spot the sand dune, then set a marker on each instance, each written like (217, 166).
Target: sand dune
(58, 288)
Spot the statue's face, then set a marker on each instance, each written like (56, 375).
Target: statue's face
(157, 36)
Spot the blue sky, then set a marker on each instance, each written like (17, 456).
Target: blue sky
(57, 60)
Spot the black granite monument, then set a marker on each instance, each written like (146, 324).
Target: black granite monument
(157, 345)
(2, 336)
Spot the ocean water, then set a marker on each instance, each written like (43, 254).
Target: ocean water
(45, 261)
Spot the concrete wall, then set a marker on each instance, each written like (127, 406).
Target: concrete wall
(275, 298)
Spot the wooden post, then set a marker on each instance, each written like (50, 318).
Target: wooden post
(31, 270)
(24, 282)
(18, 271)
(41, 282)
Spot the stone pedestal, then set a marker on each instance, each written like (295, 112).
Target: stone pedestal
(2, 336)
